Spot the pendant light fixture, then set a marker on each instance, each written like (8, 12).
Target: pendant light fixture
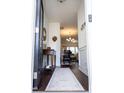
(70, 39)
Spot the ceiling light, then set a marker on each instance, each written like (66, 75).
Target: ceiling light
(61, 1)
(67, 39)
(70, 39)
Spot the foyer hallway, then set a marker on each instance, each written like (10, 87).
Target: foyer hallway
(60, 27)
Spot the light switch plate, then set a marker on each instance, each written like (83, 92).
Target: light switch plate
(36, 30)
(35, 75)
(90, 17)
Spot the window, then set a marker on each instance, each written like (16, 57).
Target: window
(74, 50)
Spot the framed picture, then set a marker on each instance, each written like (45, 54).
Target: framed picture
(54, 38)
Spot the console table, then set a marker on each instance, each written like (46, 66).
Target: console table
(52, 53)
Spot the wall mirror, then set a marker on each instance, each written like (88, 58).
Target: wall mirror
(44, 34)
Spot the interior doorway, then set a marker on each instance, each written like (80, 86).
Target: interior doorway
(69, 46)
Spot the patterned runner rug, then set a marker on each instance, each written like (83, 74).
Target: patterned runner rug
(63, 79)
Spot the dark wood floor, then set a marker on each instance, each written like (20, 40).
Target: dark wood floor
(45, 80)
(82, 78)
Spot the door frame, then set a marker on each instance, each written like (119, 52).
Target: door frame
(37, 45)
(88, 11)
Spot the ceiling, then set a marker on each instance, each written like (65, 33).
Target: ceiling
(65, 13)
(69, 31)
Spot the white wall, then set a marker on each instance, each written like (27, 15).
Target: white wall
(54, 30)
(46, 25)
(82, 40)
(81, 20)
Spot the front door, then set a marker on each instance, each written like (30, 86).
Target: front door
(38, 44)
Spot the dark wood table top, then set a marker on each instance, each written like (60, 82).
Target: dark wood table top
(49, 52)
